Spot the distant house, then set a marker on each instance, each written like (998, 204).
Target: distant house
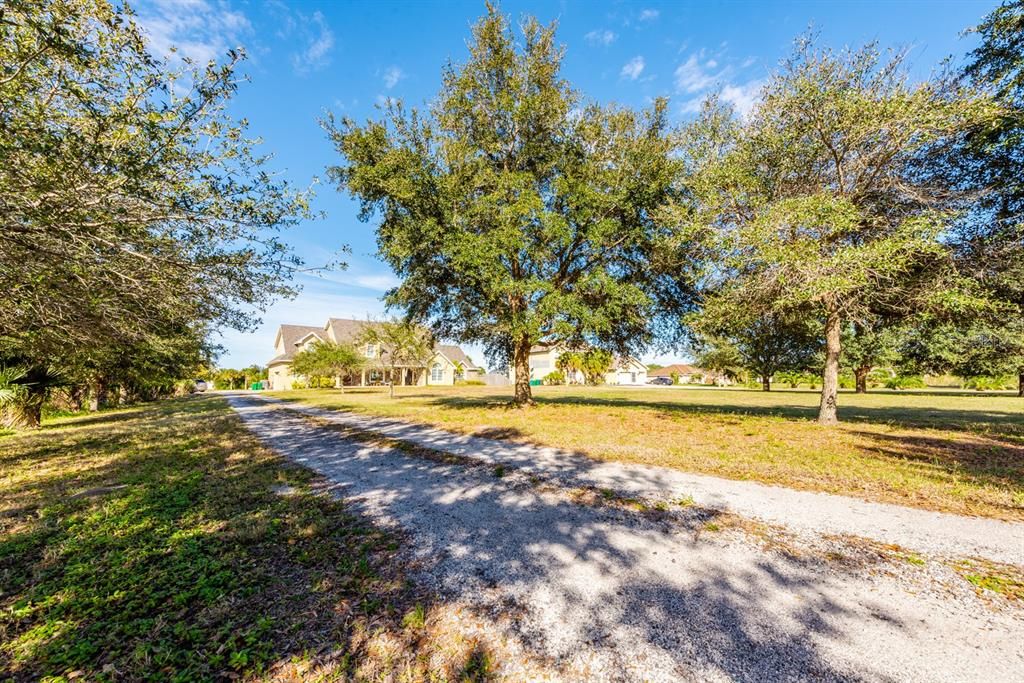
(689, 374)
(449, 364)
(544, 360)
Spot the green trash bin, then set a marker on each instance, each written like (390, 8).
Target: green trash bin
(257, 386)
(535, 382)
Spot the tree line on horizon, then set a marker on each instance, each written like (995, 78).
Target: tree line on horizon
(855, 217)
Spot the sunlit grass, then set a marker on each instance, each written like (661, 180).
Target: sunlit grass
(954, 451)
(155, 543)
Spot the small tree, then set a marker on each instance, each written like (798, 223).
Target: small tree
(401, 344)
(817, 201)
(596, 363)
(328, 359)
(570, 363)
(764, 345)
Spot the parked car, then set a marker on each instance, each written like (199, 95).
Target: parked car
(661, 380)
(201, 385)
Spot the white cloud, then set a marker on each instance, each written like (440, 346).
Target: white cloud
(192, 29)
(600, 37)
(649, 15)
(379, 282)
(698, 76)
(319, 43)
(633, 68)
(743, 97)
(392, 75)
(692, 76)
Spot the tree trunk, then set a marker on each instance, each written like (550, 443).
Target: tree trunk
(1020, 385)
(828, 413)
(391, 383)
(75, 396)
(97, 395)
(521, 363)
(766, 383)
(861, 376)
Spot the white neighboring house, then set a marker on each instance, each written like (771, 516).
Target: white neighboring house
(448, 365)
(544, 360)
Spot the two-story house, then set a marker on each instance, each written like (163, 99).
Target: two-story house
(448, 364)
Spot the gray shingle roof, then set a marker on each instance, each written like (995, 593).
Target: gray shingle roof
(455, 355)
(291, 335)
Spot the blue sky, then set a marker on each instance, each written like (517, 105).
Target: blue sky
(309, 57)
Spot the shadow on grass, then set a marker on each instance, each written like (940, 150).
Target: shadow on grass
(150, 543)
(993, 422)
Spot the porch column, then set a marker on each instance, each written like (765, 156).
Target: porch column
(362, 379)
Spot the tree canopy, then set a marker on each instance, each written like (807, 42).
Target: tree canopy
(515, 211)
(135, 211)
(815, 204)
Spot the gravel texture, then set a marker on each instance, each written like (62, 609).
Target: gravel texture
(922, 531)
(605, 595)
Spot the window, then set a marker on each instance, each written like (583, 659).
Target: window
(376, 376)
(371, 351)
(436, 373)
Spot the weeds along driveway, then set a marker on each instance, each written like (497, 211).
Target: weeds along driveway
(806, 512)
(609, 596)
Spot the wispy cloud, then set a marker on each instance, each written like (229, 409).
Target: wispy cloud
(378, 282)
(649, 15)
(693, 76)
(743, 97)
(633, 68)
(319, 41)
(600, 37)
(700, 75)
(193, 29)
(392, 75)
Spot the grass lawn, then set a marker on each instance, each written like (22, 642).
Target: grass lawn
(960, 452)
(163, 543)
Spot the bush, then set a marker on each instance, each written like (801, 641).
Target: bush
(471, 383)
(555, 377)
(988, 383)
(905, 382)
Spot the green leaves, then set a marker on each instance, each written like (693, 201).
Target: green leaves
(514, 211)
(328, 359)
(135, 209)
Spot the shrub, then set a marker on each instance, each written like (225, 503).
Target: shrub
(471, 383)
(905, 382)
(556, 377)
(988, 383)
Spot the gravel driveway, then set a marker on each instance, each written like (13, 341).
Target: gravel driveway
(608, 595)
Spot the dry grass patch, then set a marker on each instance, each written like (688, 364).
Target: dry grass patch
(953, 452)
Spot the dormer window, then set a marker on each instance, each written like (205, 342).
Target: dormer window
(372, 351)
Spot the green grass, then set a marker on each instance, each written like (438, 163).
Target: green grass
(155, 543)
(953, 451)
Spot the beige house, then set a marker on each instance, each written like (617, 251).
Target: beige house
(448, 365)
(544, 360)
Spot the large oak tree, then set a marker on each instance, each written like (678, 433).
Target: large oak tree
(514, 211)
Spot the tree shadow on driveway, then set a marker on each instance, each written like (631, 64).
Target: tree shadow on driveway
(660, 602)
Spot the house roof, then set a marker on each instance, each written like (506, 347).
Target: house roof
(291, 334)
(455, 355)
(677, 368)
(345, 329)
